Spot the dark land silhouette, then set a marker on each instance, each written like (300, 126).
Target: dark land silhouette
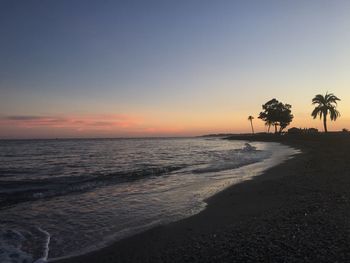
(280, 115)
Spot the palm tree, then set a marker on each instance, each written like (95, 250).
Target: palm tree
(250, 118)
(325, 104)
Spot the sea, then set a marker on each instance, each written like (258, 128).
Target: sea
(66, 197)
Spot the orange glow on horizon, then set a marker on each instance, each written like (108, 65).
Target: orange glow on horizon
(192, 120)
(123, 125)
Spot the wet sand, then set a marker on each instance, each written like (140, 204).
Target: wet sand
(298, 211)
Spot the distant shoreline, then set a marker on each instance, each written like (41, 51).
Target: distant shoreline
(296, 211)
(238, 136)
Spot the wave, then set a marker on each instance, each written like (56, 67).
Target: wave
(11, 242)
(20, 190)
(16, 191)
(16, 240)
(234, 159)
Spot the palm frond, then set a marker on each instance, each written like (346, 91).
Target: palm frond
(334, 114)
(317, 112)
(319, 99)
(331, 98)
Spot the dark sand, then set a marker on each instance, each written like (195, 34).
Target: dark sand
(298, 211)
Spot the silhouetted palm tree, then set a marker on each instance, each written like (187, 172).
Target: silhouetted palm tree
(250, 118)
(325, 104)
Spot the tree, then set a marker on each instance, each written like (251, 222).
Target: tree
(325, 105)
(277, 114)
(250, 118)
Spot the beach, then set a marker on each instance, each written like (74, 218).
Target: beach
(297, 211)
(174, 131)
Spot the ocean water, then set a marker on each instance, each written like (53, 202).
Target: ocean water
(60, 198)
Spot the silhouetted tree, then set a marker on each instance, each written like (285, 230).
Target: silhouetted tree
(250, 118)
(325, 104)
(277, 114)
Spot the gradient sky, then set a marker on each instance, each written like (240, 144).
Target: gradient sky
(163, 68)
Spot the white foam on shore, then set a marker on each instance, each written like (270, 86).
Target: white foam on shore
(45, 255)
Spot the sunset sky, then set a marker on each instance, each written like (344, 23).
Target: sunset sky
(167, 68)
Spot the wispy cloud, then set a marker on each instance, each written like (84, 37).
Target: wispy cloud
(22, 118)
(95, 122)
(93, 125)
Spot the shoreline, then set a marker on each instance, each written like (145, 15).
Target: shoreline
(257, 220)
(279, 154)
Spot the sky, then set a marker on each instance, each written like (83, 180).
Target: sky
(167, 68)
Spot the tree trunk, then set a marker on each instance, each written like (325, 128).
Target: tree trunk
(275, 128)
(251, 124)
(325, 122)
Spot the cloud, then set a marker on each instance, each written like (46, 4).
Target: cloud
(92, 125)
(22, 117)
(85, 122)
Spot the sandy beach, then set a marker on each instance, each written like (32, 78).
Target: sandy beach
(295, 212)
